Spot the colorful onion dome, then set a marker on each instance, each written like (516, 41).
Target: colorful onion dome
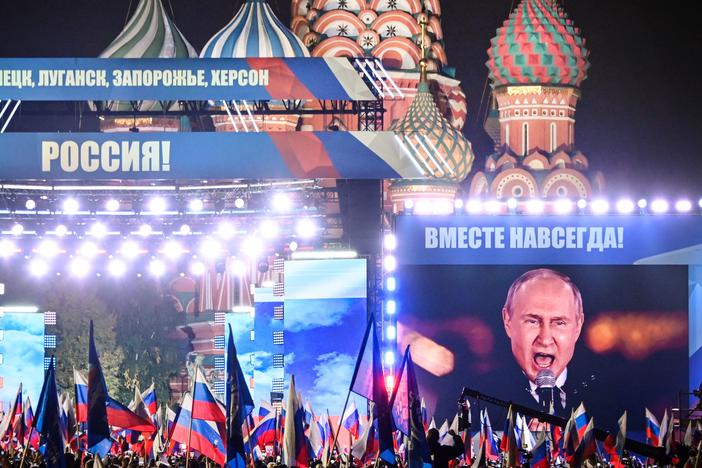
(254, 31)
(439, 148)
(538, 45)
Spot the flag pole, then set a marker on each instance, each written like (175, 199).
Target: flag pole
(341, 417)
(248, 439)
(190, 426)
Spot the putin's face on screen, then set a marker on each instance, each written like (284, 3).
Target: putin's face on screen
(543, 320)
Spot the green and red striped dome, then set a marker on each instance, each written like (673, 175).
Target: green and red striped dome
(538, 45)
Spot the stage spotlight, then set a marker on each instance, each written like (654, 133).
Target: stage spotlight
(409, 204)
(563, 206)
(390, 332)
(389, 359)
(172, 249)
(197, 268)
(269, 229)
(98, 230)
(157, 268)
(423, 207)
(112, 204)
(38, 267)
(157, 205)
(196, 205)
(625, 206)
(238, 268)
(512, 204)
(699, 202)
(390, 307)
(306, 228)
(17, 229)
(281, 202)
(145, 230)
(61, 230)
(599, 206)
(683, 206)
(442, 207)
(88, 249)
(239, 203)
(390, 382)
(79, 267)
(130, 249)
(458, 204)
(30, 204)
(535, 206)
(293, 246)
(659, 206)
(492, 206)
(116, 267)
(226, 230)
(210, 248)
(389, 263)
(252, 247)
(48, 249)
(71, 206)
(184, 230)
(390, 242)
(7, 248)
(474, 206)
(390, 284)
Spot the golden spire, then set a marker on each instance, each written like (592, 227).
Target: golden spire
(423, 61)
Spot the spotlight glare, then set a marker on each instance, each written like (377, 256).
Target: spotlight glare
(281, 202)
(458, 204)
(306, 228)
(625, 206)
(226, 230)
(17, 229)
(252, 247)
(582, 204)
(61, 230)
(535, 206)
(38, 267)
(699, 202)
(196, 205)
(184, 230)
(7, 248)
(30, 204)
(390, 242)
(390, 332)
(145, 230)
(238, 268)
(512, 204)
(112, 204)
(389, 263)
(172, 249)
(391, 307)
(157, 205)
(293, 246)
(116, 267)
(409, 204)
(71, 206)
(492, 206)
(424, 207)
(269, 229)
(659, 206)
(599, 206)
(474, 206)
(197, 268)
(210, 248)
(563, 206)
(48, 249)
(683, 206)
(79, 267)
(390, 379)
(391, 284)
(239, 203)
(130, 249)
(157, 268)
(89, 249)
(98, 230)
(390, 360)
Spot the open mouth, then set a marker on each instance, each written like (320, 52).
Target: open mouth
(544, 360)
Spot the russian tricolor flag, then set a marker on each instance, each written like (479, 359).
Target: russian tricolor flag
(81, 386)
(540, 454)
(122, 417)
(149, 399)
(205, 405)
(265, 432)
(581, 420)
(351, 420)
(204, 435)
(653, 429)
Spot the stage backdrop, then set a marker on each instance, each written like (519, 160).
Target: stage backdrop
(21, 356)
(632, 351)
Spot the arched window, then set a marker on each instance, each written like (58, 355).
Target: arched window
(553, 137)
(525, 139)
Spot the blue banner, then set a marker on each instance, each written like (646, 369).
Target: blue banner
(92, 156)
(82, 79)
(557, 240)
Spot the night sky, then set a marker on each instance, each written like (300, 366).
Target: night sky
(638, 119)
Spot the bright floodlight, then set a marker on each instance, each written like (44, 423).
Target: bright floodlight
(458, 204)
(130, 249)
(599, 206)
(7, 248)
(699, 202)
(281, 202)
(196, 205)
(116, 267)
(157, 205)
(17, 229)
(625, 206)
(293, 246)
(38, 267)
(197, 268)
(79, 267)
(391, 307)
(535, 206)
(252, 247)
(238, 268)
(145, 230)
(71, 206)
(226, 230)
(390, 242)
(563, 206)
(389, 263)
(269, 229)
(659, 206)
(512, 204)
(112, 204)
(683, 206)
(172, 249)
(306, 228)
(389, 359)
(409, 204)
(98, 230)
(582, 204)
(184, 230)
(48, 249)
(210, 248)
(492, 206)
(424, 206)
(239, 203)
(474, 206)
(30, 204)
(61, 230)
(157, 268)
(390, 332)
(89, 249)
(391, 284)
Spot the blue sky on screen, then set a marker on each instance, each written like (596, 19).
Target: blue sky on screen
(22, 348)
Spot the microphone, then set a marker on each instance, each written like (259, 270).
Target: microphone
(545, 384)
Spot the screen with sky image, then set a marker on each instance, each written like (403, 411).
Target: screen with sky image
(626, 350)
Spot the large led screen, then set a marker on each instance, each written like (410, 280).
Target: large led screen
(21, 356)
(627, 351)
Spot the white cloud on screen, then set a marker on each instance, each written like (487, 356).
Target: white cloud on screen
(325, 279)
(333, 373)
